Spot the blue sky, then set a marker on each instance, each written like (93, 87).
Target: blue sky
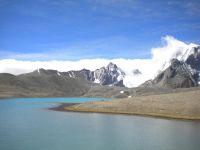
(80, 29)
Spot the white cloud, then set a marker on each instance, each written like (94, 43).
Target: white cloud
(172, 48)
(149, 68)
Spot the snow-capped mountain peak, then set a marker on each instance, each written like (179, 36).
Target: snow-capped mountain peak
(111, 67)
(182, 54)
(109, 75)
(183, 71)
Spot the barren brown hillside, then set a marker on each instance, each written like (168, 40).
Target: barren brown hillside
(182, 105)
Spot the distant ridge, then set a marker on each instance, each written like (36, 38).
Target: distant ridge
(52, 83)
(105, 81)
(110, 75)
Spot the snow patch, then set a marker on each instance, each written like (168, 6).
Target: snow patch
(96, 81)
(58, 73)
(71, 75)
(121, 92)
(120, 77)
(199, 79)
(38, 71)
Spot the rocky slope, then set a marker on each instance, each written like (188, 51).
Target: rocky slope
(181, 73)
(45, 84)
(51, 83)
(110, 75)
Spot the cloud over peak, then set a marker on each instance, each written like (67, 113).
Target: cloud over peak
(161, 56)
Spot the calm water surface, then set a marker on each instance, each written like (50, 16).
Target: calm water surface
(27, 124)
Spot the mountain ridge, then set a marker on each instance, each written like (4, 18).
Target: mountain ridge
(184, 72)
(106, 80)
(111, 75)
(52, 83)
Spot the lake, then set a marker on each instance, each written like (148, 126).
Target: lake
(27, 124)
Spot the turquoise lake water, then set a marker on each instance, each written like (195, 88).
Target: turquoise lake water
(27, 124)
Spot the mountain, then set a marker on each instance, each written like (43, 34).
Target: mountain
(42, 83)
(182, 73)
(52, 83)
(111, 75)
(83, 74)
(194, 58)
(136, 72)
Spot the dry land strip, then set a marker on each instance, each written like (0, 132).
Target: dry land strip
(180, 105)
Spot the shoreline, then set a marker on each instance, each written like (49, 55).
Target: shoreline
(66, 107)
(182, 106)
(60, 106)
